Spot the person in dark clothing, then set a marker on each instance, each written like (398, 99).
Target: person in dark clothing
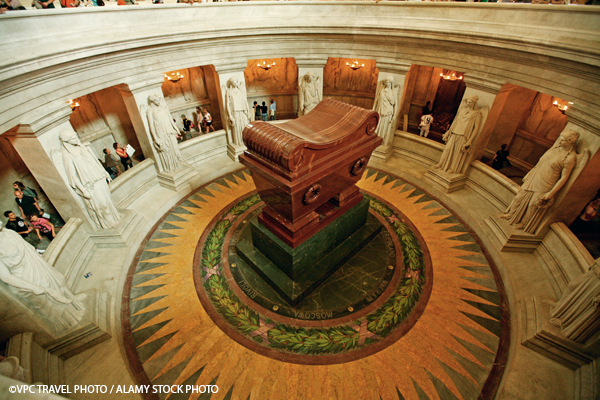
(257, 111)
(27, 205)
(21, 227)
(125, 159)
(265, 111)
(186, 127)
(426, 110)
(501, 158)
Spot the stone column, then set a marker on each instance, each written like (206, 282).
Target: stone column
(226, 72)
(135, 95)
(486, 90)
(38, 144)
(398, 72)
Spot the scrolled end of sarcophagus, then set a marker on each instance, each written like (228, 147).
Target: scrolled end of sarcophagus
(305, 170)
(295, 146)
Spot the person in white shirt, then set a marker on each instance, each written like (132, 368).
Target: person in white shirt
(426, 121)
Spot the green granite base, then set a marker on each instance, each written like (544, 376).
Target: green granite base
(294, 262)
(293, 291)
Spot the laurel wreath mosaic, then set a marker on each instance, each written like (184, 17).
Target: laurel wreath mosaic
(312, 341)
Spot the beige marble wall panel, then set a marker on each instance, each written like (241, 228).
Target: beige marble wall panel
(88, 119)
(348, 85)
(510, 108)
(188, 91)
(544, 120)
(118, 120)
(279, 83)
(282, 78)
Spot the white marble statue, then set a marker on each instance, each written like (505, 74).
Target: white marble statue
(309, 94)
(164, 134)
(236, 109)
(10, 367)
(386, 104)
(28, 275)
(459, 137)
(88, 178)
(577, 313)
(542, 183)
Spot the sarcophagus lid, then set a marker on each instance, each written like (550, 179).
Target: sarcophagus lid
(293, 148)
(305, 170)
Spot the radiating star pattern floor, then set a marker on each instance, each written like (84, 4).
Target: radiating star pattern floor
(456, 349)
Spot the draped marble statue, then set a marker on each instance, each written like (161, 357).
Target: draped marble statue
(164, 134)
(542, 183)
(459, 137)
(88, 179)
(386, 104)
(309, 94)
(28, 275)
(236, 109)
(577, 313)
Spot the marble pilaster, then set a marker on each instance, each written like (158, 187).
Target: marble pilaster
(486, 89)
(225, 72)
(135, 95)
(316, 65)
(398, 71)
(38, 144)
(572, 198)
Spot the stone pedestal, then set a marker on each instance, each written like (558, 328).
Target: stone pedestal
(545, 338)
(120, 236)
(38, 363)
(383, 153)
(177, 180)
(93, 328)
(295, 273)
(445, 181)
(511, 239)
(234, 151)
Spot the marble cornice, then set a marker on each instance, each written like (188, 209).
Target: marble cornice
(485, 84)
(393, 67)
(311, 62)
(57, 115)
(142, 85)
(585, 118)
(231, 67)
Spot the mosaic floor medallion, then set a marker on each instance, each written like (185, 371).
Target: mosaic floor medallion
(416, 313)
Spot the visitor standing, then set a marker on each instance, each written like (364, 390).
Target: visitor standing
(208, 121)
(264, 110)
(272, 110)
(500, 160)
(125, 159)
(111, 163)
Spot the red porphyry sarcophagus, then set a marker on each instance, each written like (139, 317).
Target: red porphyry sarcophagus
(305, 170)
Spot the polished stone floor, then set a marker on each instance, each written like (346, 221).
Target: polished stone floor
(419, 313)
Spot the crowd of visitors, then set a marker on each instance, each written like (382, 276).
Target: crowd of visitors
(16, 5)
(265, 112)
(34, 222)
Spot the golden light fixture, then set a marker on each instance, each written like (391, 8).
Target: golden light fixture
(174, 76)
(561, 106)
(451, 76)
(355, 65)
(265, 66)
(74, 105)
